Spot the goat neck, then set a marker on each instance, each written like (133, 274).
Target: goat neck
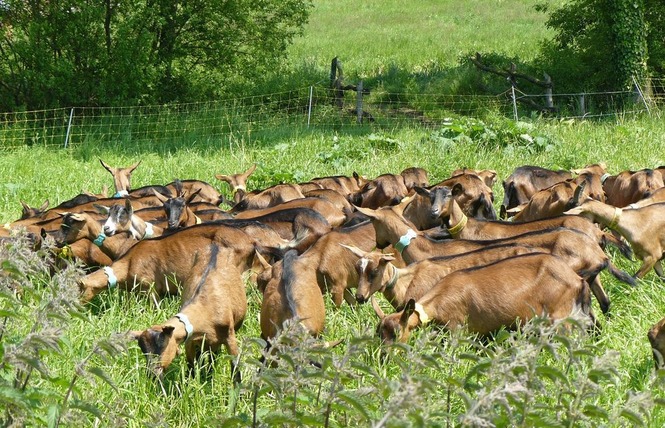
(457, 220)
(395, 284)
(141, 229)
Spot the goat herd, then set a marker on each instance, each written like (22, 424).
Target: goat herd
(436, 252)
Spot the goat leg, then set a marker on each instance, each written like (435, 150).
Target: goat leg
(599, 292)
(647, 263)
(658, 267)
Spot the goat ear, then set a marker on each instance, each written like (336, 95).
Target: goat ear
(377, 308)
(408, 311)
(223, 177)
(192, 196)
(249, 172)
(367, 211)
(421, 191)
(77, 217)
(168, 330)
(103, 209)
(133, 167)
(387, 258)
(457, 189)
(128, 206)
(134, 334)
(159, 196)
(355, 250)
(106, 167)
(579, 191)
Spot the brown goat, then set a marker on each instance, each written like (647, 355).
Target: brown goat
(656, 197)
(386, 189)
(267, 198)
(206, 321)
(461, 226)
(289, 295)
(28, 212)
(81, 226)
(330, 266)
(342, 184)
(551, 202)
(414, 176)
(488, 176)
(472, 194)
(629, 187)
(469, 192)
(527, 180)
(376, 273)
(562, 242)
(656, 337)
(487, 298)
(121, 218)
(327, 209)
(162, 264)
(238, 183)
(121, 177)
(643, 228)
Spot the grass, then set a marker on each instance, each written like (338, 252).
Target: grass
(450, 361)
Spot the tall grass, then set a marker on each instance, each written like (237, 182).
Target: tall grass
(535, 376)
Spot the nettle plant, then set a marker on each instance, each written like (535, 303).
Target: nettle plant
(39, 302)
(544, 374)
(504, 133)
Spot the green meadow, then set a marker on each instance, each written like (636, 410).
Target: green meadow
(69, 365)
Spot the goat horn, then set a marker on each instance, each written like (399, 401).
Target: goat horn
(377, 308)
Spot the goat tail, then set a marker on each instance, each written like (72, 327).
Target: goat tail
(301, 234)
(622, 245)
(621, 275)
(288, 278)
(270, 253)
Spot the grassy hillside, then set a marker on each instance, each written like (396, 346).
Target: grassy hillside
(372, 35)
(422, 46)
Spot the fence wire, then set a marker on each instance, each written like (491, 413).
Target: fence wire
(309, 107)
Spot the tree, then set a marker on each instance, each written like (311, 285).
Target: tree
(104, 52)
(603, 44)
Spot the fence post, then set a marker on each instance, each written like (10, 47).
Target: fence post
(309, 108)
(359, 102)
(641, 95)
(69, 127)
(549, 101)
(582, 103)
(512, 92)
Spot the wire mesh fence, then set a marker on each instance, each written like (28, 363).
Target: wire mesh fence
(309, 107)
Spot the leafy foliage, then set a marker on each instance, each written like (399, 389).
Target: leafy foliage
(504, 134)
(65, 52)
(39, 296)
(603, 44)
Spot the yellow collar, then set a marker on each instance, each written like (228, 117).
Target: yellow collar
(424, 319)
(615, 218)
(455, 230)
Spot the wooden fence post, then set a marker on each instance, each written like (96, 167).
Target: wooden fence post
(549, 101)
(359, 103)
(336, 76)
